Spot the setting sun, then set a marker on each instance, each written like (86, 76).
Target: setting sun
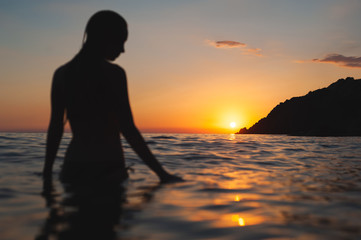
(232, 124)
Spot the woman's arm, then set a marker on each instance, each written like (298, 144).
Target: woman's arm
(135, 139)
(56, 125)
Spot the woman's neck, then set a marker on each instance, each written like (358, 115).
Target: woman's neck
(91, 53)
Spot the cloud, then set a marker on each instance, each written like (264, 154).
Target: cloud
(227, 44)
(254, 51)
(340, 60)
(234, 44)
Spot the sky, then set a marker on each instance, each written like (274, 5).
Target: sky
(193, 66)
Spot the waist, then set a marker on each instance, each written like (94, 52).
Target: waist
(110, 152)
(91, 173)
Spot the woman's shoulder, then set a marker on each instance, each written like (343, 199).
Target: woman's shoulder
(60, 71)
(115, 71)
(114, 68)
(65, 69)
(59, 75)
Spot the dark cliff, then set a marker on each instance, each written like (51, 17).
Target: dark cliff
(331, 111)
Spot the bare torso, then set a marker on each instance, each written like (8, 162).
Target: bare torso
(95, 109)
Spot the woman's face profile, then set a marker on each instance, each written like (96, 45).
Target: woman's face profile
(113, 50)
(115, 46)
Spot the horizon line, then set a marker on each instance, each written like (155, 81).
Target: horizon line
(149, 130)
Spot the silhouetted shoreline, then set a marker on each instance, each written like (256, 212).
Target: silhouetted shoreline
(331, 111)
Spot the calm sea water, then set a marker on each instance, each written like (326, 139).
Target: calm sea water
(237, 187)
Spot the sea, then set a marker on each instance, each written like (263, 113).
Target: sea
(235, 187)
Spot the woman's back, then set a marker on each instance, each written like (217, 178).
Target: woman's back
(92, 91)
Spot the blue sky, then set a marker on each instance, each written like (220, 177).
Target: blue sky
(172, 59)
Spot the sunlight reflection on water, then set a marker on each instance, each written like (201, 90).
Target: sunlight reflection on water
(238, 187)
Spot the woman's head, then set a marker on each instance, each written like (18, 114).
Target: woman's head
(106, 33)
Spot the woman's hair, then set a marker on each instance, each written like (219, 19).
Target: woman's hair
(105, 27)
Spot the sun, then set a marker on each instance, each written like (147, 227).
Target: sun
(232, 124)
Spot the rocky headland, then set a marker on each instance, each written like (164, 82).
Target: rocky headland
(331, 111)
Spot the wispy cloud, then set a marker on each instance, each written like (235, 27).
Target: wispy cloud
(340, 60)
(234, 44)
(226, 44)
(337, 59)
(253, 51)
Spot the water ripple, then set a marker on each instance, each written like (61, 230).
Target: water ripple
(244, 187)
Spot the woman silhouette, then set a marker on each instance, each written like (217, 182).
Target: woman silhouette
(91, 93)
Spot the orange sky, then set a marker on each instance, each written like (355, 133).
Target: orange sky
(191, 66)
